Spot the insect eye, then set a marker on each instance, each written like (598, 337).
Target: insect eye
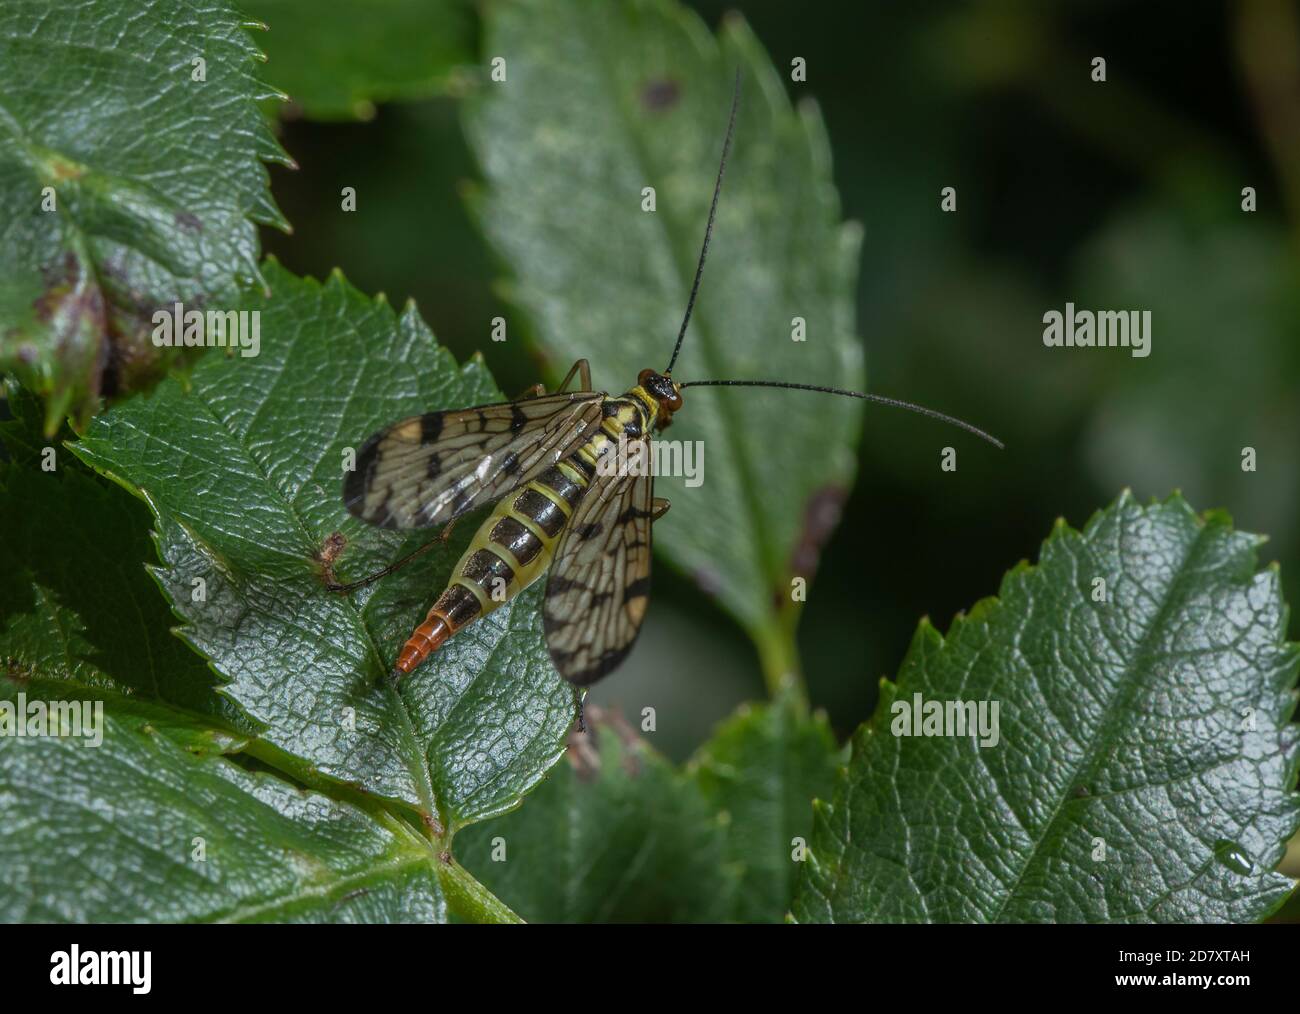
(675, 402)
(644, 376)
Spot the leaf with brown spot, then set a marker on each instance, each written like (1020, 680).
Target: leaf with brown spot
(157, 184)
(661, 94)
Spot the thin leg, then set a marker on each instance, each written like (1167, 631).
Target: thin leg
(583, 369)
(659, 508)
(536, 391)
(438, 540)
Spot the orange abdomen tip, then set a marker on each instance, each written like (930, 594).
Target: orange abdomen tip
(422, 643)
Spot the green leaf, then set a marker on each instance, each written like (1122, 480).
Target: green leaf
(335, 61)
(1152, 724)
(613, 835)
(762, 769)
(110, 833)
(1193, 274)
(22, 427)
(157, 179)
(81, 621)
(243, 471)
(600, 101)
(77, 603)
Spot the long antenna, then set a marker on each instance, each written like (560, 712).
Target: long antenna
(877, 398)
(708, 229)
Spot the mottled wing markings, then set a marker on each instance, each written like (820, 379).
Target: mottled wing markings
(599, 586)
(428, 469)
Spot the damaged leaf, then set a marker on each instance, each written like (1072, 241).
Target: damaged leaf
(131, 177)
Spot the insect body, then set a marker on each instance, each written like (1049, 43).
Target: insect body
(539, 459)
(541, 456)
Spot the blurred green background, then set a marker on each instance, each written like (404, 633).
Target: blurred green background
(1121, 195)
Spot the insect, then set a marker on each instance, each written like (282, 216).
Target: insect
(537, 458)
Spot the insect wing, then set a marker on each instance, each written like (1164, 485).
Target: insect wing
(599, 586)
(428, 469)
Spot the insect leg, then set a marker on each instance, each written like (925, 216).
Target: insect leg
(440, 539)
(659, 508)
(583, 369)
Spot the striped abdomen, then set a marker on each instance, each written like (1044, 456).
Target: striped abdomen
(513, 547)
(508, 553)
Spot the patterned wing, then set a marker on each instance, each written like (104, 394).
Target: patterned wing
(599, 586)
(428, 469)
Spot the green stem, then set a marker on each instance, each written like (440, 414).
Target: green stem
(467, 897)
(778, 654)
